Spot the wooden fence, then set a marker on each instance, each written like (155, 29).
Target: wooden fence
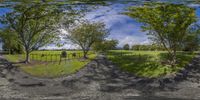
(56, 57)
(121, 53)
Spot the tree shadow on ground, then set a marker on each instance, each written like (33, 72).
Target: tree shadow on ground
(153, 75)
(146, 65)
(183, 58)
(141, 65)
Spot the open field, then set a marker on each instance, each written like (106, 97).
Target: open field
(45, 56)
(148, 63)
(51, 70)
(43, 67)
(141, 63)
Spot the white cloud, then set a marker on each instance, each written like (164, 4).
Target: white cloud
(194, 5)
(131, 40)
(66, 46)
(123, 28)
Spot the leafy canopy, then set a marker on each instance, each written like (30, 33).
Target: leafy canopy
(166, 24)
(34, 24)
(86, 33)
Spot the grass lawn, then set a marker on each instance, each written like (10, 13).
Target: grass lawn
(54, 55)
(55, 69)
(14, 58)
(48, 56)
(147, 63)
(50, 69)
(141, 63)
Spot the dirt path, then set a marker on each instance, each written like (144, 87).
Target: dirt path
(100, 80)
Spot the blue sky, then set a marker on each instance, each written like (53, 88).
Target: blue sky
(123, 28)
(2, 12)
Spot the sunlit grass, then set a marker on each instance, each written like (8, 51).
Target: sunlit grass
(14, 58)
(44, 56)
(148, 63)
(40, 68)
(55, 69)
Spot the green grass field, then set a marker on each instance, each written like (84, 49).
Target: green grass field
(141, 63)
(52, 70)
(148, 63)
(45, 56)
(40, 68)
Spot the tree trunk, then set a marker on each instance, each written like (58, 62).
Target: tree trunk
(27, 60)
(85, 54)
(9, 51)
(173, 59)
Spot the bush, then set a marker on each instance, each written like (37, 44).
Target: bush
(74, 54)
(64, 54)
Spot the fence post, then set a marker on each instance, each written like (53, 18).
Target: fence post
(36, 56)
(46, 57)
(33, 56)
(56, 57)
(40, 57)
(65, 59)
(51, 58)
(60, 59)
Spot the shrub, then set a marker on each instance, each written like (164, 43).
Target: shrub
(64, 54)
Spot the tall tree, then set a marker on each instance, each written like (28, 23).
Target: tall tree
(86, 33)
(167, 24)
(33, 23)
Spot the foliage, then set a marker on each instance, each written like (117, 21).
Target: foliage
(85, 34)
(33, 23)
(167, 24)
(64, 54)
(152, 47)
(126, 47)
(9, 40)
(192, 41)
(105, 45)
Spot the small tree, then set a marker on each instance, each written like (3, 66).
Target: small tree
(63, 54)
(85, 34)
(192, 41)
(167, 24)
(126, 47)
(9, 40)
(33, 23)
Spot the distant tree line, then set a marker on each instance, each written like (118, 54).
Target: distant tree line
(189, 46)
(103, 46)
(147, 47)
